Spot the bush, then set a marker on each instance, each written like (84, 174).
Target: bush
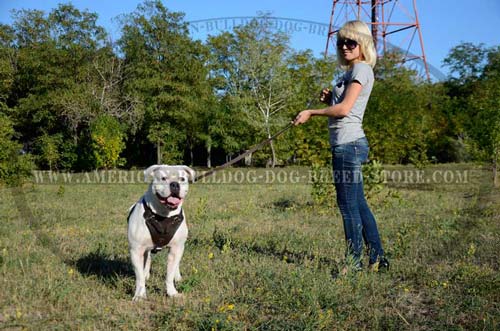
(373, 178)
(49, 155)
(14, 165)
(107, 142)
(322, 190)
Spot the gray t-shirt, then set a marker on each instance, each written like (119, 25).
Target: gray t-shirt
(347, 129)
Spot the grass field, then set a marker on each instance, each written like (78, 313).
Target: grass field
(259, 257)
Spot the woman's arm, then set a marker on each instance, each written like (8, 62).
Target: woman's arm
(338, 110)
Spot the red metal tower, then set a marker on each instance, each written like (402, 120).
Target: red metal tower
(394, 24)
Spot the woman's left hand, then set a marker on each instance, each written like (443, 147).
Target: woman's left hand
(302, 117)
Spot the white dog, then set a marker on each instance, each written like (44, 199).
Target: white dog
(158, 220)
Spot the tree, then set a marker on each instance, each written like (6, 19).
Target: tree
(164, 72)
(14, 165)
(255, 75)
(485, 103)
(66, 76)
(228, 127)
(51, 93)
(309, 143)
(7, 63)
(263, 60)
(477, 95)
(466, 61)
(401, 121)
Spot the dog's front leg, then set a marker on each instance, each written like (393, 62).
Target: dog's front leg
(177, 275)
(173, 261)
(137, 256)
(147, 264)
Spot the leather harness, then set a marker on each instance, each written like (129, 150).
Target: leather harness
(161, 228)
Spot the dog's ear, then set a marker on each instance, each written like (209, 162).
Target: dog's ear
(148, 173)
(191, 172)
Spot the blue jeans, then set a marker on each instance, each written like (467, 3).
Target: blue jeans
(359, 222)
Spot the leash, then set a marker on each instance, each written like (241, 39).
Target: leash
(241, 156)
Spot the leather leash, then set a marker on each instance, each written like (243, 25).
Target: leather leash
(241, 156)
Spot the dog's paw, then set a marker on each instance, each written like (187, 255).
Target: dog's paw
(174, 294)
(138, 298)
(178, 278)
(139, 295)
(177, 296)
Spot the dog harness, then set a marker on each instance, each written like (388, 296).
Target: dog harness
(161, 228)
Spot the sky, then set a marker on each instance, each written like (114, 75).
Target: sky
(444, 23)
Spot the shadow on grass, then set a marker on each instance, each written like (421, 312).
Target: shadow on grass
(284, 204)
(107, 268)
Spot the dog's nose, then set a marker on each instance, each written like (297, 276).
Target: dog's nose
(175, 188)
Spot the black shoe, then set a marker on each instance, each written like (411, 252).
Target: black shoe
(381, 265)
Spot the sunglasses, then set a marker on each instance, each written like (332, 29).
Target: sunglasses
(349, 43)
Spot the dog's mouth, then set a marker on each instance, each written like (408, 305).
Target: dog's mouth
(170, 201)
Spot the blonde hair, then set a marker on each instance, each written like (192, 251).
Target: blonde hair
(358, 31)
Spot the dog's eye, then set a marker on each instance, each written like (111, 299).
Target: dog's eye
(182, 179)
(164, 178)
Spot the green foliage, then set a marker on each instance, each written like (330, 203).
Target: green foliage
(373, 178)
(165, 70)
(486, 125)
(466, 61)
(169, 142)
(310, 142)
(250, 70)
(7, 65)
(49, 154)
(403, 119)
(478, 91)
(14, 166)
(107, 142)
(322, 187)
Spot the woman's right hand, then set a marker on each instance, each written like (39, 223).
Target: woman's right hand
(326, 96)
(302, 117)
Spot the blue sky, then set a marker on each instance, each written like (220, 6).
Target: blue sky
(444, 23)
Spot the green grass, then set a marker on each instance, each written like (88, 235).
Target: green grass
(259, 257)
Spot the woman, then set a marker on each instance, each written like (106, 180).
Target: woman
(357, 55)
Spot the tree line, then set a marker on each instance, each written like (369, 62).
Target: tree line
(72, 99)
